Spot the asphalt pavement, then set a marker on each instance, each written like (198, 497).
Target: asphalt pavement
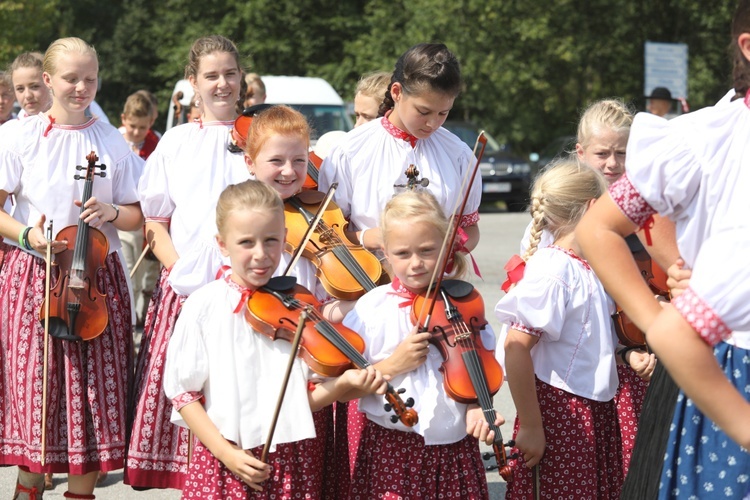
(501, 233)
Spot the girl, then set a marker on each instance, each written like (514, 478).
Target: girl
(439, 457)
(214, 354)
(370, 163)
(87, 381)
(6, 99)
(693, 170)
(369, 95)
(31, 93)
(184, 176)
(560, 351)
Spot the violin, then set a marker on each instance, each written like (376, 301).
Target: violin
(77, 309)
(471, 374)
(313, 168)
(629, 334)
(346, 270)
(274, 310)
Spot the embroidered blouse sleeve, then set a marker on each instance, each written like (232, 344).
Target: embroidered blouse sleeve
(536, 305)
(186, 368)
(663, 172)
(125, 181)
(153, 188)
(335, 168)
(716, 302)
(11, 167)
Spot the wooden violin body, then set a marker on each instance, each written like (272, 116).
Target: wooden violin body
(77, 307)
(274, 310)
(628, 334)
(346, 270)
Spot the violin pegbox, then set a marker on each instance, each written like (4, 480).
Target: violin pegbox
(90, 168)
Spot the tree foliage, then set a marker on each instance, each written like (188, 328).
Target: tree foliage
(529, 67)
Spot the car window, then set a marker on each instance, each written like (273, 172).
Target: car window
(469, 135)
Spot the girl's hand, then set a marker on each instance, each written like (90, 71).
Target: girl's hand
(531, 443)
(411, 352)
(38, 239)
(242, 462)
(368, 380)
(477, 426)
(678, 278)
(642, 363)
(96, 213)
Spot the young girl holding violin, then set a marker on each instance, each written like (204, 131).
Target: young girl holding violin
(693, 170)
(87, 381)
(439, 456)
(224, 377)
(560, 351)
(371, 162)
(183, 178)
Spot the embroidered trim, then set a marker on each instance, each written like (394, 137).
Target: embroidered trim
(397, 132)
(572, 255)
(536, 332)
(469, 219)
(401, 291)
(630, 202)
(245, 293)
(158, 219)
(701, 317)
(184, 399)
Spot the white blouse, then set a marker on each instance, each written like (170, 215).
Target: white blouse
(383, 323)
(38, 162)
(181, 184)
(216, 354)
(370, 160)
(561, 301)
(695, 169)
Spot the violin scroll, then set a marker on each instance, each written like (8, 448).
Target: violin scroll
(501, 459)
(402, 409)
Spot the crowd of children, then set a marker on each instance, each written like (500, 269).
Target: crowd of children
(219, 403)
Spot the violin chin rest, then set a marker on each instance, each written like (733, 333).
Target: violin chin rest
(457, 288)
(281, 283)
(59, 329)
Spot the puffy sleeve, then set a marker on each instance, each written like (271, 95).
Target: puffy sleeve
(126, 177)
(153, 188)
(536, 305)
(335, 168)
(186, 369)
(663, 171)
(11, 166)
(718, 298)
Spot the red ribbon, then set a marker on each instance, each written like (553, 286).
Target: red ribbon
(515, 268)
(460, 246)
(49, 127)
(245, 293)
(647, 226)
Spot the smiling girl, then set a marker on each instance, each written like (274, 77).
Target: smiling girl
(183, 179)
(31, 93)
(88, 381)
(372, 159)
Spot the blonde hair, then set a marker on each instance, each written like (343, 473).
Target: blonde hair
(63, 46)
(610, 114)
(559, 198)
(253, 80)
(415, 207)
(27, 60)
(247, 195)
(276, 120)
(5, 80)
(205, 46)
(374, 85)
(138, 105)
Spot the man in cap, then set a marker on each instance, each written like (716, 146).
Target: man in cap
(660, 101)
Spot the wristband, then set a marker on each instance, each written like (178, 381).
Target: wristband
(117, 212)
(626, 350)
(23, 238)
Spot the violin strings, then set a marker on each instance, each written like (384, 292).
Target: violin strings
(341, 251)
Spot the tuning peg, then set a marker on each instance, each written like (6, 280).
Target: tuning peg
(387, 407)
(394, 418)
(491, 468)
(79, 167)
(101, 174)
(409, 402)
(487, 455)
(102, 167)
(77, 177)
(401, 391)
(510, 443)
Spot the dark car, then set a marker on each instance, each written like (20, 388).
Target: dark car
(505, 176)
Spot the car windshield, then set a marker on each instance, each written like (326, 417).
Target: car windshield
(469, 135)
(324, 118)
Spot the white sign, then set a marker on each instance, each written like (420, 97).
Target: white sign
(667, 66)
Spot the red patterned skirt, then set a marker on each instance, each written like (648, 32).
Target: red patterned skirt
(629, 400)
(87, 382)
(297, 471)
(393, 464)
(582, 457)
(158, 449)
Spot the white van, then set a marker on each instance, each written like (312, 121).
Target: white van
(313, 97)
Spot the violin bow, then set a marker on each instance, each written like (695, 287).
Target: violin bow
(289, 366)
(140, 259)
(45, 356)
(311, 228)
(450, 236)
